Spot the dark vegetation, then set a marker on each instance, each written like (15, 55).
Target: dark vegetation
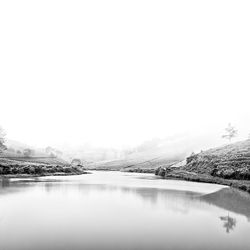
(37, 167)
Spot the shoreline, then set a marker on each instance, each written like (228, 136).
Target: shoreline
(18, 169)
(14, 176)
(242, 185)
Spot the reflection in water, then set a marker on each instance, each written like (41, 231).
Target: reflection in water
(117, 211)
(148, 195)
(5, 182)
(231, 200)
(229, 222)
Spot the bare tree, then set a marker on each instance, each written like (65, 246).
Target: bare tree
(231, 132)
(2, 145)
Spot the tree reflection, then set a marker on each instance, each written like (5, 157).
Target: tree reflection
(229, 222)
(5, 182)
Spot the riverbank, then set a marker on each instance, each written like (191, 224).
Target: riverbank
(179, 174)
(134, 170)
(243, 185)
(20, 169)
(41, 175)
(139, 170)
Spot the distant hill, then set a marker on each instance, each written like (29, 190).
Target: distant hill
(151, 154)
(8, 160)
(15, 155)
(147, 161)
(16, 144)
(16, 149)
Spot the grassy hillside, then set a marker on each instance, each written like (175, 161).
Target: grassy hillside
(229, 162)
(229, 165)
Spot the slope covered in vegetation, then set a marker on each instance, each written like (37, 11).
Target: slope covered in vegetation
(228, 165)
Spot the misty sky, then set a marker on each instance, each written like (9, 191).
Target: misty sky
(116, 73)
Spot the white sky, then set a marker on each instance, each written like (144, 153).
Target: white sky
(119, 72)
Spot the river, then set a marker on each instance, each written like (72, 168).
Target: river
(121, 211)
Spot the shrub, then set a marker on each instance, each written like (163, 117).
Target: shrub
(26, 169)
(6, 170)
(38, 169)
(67, 170)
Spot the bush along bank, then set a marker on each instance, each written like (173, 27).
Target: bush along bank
(16, 170)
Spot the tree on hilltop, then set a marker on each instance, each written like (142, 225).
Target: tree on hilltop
(231, 132)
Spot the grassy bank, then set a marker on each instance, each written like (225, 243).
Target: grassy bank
(19, 168)
(187, 176)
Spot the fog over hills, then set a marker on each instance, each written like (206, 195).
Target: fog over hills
(179, 75)
(174, 147)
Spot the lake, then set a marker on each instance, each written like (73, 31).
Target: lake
(115, 210)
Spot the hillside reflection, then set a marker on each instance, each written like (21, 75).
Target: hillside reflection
(231, 200)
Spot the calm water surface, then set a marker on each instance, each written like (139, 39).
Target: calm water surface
(113, 210)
